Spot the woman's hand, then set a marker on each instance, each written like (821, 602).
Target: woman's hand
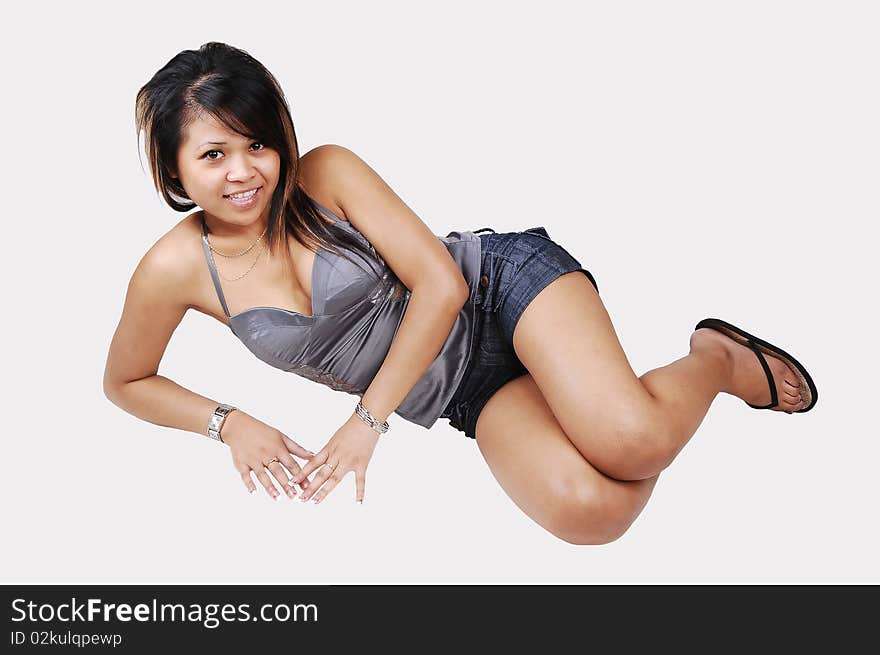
(350, 449)
(254, 444)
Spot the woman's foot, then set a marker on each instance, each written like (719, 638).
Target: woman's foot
(747, 379)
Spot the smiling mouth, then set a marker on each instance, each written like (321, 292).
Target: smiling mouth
(243, 195)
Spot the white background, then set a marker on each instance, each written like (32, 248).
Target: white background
(700, 158)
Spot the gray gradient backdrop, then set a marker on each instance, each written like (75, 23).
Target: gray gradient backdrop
(700, 158)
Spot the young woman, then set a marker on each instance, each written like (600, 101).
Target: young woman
(322, 270)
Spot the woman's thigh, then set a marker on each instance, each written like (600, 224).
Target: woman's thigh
(540, 313)
(566, 341)
(546, 476)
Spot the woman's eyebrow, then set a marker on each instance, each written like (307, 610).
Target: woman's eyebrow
(211, 143)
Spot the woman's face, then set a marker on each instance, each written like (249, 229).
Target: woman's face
(215, 163)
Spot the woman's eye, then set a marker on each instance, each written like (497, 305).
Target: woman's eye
(209, 153)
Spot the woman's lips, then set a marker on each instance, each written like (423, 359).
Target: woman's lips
(245, 203)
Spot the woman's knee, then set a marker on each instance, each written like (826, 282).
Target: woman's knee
(587, 513)
(643, 452)
(633, 445)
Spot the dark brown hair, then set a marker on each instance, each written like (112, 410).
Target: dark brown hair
(237, 90)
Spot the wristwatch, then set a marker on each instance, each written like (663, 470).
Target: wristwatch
(217, 419)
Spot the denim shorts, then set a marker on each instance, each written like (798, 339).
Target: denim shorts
(516, 266)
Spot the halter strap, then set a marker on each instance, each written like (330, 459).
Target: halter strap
(321, 208)
(210, 257)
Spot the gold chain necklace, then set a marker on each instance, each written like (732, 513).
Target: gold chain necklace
(247, 271)
(243, 252)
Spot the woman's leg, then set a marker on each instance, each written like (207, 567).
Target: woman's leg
(545, 475)
(630, 428)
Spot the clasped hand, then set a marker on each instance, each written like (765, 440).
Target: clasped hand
(349, 449)
(257, 447)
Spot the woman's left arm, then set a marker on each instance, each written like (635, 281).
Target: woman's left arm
(438, 291)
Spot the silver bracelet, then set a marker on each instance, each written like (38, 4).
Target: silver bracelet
(217, 419)
(368, 418)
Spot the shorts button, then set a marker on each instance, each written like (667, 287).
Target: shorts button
(484, 281)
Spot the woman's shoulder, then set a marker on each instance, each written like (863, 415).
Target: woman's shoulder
(173, 259)
(183, 242)
(319, 176)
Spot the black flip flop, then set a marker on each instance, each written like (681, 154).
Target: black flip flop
(807, 388)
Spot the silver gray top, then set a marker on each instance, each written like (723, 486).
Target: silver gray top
(355, 316)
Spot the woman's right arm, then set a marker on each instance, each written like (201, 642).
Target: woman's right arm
(155, 303)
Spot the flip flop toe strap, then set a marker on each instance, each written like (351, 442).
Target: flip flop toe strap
(773, 397)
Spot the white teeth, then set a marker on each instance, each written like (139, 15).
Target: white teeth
(242, 196)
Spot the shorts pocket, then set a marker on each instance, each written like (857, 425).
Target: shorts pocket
(492, 350)
(497, 273)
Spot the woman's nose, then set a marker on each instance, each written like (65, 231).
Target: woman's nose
(240, 169)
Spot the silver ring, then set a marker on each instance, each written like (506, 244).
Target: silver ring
(332, 467)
